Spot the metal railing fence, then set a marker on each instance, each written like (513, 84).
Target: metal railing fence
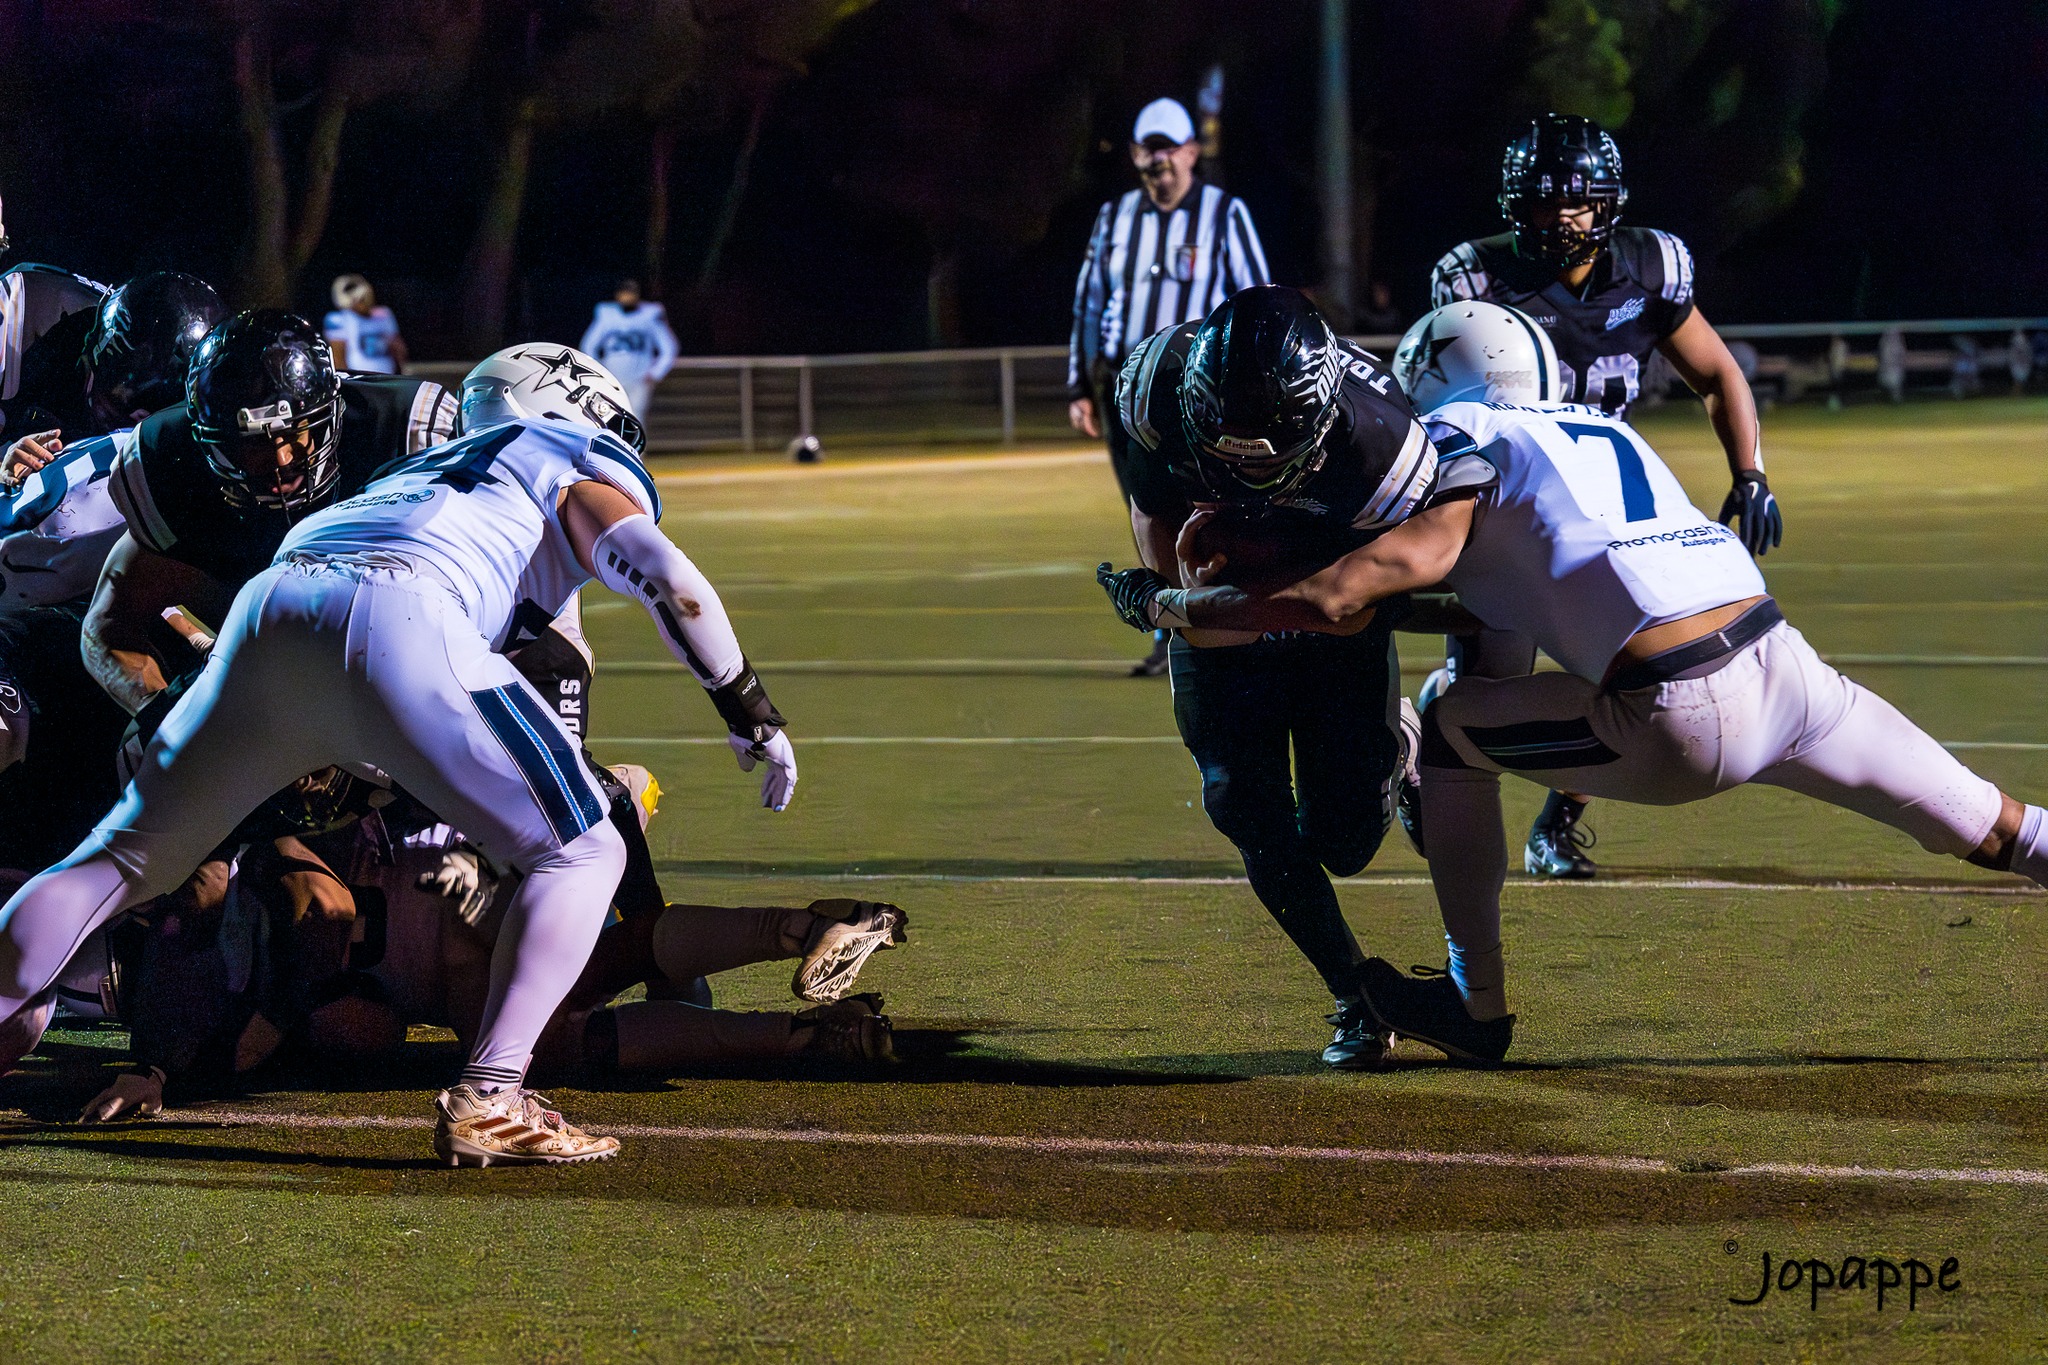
(1012, 394)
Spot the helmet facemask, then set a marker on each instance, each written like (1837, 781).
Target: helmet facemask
(246, 460)
(1561, 245)
(1283, 412)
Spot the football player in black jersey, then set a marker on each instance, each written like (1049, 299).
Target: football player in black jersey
(1609, 296)
(34, 299)
(96, 370)
(1305, 445)
(109, 367)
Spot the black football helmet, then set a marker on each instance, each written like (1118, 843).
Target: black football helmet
(1562, 159)
(1260, 393)
(141, 343)
(266, 409)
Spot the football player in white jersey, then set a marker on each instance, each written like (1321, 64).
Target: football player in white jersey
(1681, 677)
(369, 643)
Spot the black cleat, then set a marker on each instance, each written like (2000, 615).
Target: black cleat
(1428, 1008)
(1359, 1045)
(1153, 665)
(1558, 842)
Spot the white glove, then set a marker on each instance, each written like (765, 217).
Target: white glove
(778, 783)
(462, 878)
(139, 1095)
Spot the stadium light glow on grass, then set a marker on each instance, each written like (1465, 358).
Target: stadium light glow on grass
(1088, 971)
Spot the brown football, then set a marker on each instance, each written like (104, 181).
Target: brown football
(1260, 552)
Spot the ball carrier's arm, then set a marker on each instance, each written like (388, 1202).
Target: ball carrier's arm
(623, 549)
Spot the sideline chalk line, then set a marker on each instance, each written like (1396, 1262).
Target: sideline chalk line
(1199, 1151)
(1517, 883)
(2020, 746)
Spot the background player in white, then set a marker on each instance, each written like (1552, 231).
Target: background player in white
(1682, 679)
(369, 642)
(631, 336)
(363, 332)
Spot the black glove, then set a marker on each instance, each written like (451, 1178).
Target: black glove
(1751, 500)
(1132, 591)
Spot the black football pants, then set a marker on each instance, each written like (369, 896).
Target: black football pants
(1295, 738)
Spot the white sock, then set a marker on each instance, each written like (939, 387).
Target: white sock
(1468, 863)
(2030, 846)
(1481, 977)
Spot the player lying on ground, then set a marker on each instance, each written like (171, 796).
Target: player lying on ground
(337, 969)
(1681, 680)
(370, 643)
(1261, 409)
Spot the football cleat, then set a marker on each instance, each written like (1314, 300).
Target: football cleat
(1360, 1044)
(645, 791)
(510, 1127)
(1558, 842)
(1153, 665)
(848, 933)
(1428, 1008)
(1408, 776)
(850, 1030)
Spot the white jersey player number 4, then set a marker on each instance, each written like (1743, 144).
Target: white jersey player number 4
(368, 642)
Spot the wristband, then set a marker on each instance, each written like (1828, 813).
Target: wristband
(744, 706)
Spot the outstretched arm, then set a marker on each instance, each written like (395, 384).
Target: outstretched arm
(1337, 600)
(620, 545)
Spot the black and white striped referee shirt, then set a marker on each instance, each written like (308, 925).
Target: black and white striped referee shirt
(1146, 270)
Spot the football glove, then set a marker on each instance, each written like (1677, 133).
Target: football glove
(778, 782)
(465, 879)
(757, 736)
(1134, 593)
(1752, 502)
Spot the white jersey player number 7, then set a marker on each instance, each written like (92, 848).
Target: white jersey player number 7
(1587, 537)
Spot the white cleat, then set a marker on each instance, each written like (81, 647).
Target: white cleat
(512, 1127)
(848, 934)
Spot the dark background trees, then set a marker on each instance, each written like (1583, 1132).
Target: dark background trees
(855, 174)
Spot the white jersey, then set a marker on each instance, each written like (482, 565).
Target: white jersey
(481, 513)
(1587, 537)
(58, 527)
(368, 339)
(634, 346)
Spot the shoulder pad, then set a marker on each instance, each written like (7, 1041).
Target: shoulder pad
(128, 484)
(1659, 261)
(614, 461)
(52, 274)
(1409, 477)
(1460, 274)
(1138, 384)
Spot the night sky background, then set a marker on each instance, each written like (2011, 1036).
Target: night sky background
(831, 175)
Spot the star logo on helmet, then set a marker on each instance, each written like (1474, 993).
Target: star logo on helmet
(554, 366)
(1433, 348)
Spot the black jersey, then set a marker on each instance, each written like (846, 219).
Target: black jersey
(1640, 291)
(34, 300)
(1378, 465)
(52, 393)
(175, 505)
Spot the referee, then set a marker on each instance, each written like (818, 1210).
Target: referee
(1160, 256)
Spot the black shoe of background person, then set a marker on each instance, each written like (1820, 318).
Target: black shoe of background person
(1558, 842)
(1359, 1045)
(1428, 1008)
(1153, 665)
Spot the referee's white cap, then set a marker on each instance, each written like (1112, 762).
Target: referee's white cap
(1164, 118)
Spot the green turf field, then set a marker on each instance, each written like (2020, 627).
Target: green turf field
(1109, 1138)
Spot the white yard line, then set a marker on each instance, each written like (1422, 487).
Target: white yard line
(1516, 883)
(1042, 664)
(1003, 740)
(1187, 1151)
(937, 464)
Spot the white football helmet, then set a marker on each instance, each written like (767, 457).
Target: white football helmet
(543, 379)
(1472, 352)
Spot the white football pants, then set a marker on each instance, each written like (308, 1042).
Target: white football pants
(321, 665)
(1774, 714)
